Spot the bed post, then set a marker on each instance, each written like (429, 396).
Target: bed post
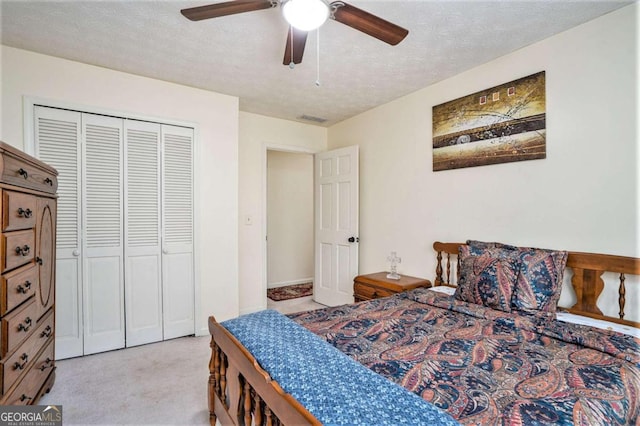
(438, 280)
(212, 381)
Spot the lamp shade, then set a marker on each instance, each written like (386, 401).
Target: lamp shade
(305, 15)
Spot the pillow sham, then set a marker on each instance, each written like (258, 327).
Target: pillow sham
(539, 282)
(488, 277)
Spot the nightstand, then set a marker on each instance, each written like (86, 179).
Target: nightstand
(373, 286)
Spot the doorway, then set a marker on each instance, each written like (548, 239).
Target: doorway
(289, 224)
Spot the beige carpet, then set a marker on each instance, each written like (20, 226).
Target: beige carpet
(157, 384)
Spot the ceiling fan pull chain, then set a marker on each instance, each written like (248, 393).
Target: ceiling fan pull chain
(318, 57)
(291, 64)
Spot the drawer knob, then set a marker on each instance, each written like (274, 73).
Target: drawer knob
(26, 326)
(46, 332)
(25, 359)
(48, 181)
(25, 213)
(23, 251)
(48, 363)
(24, 397)
(26, 288)
(22, 172)
(39, 260)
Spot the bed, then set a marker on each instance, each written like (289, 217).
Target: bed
(467, 358)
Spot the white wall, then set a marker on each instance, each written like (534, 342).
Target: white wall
(582, 197)
(257, 133)
(289, 218)
(216, 117)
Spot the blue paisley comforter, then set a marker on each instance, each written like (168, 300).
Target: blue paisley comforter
(489, 367)
(331, 386)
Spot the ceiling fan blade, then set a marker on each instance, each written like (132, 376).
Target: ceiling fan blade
(368, 23)
(299, 40)
(227, 8)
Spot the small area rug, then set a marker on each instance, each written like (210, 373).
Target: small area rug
(290, 292)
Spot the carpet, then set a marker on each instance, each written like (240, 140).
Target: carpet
(290, 292)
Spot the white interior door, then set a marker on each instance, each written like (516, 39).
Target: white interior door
(143, 287)
(336, 225)
(103, 289)
(177, 235)
(57, 142)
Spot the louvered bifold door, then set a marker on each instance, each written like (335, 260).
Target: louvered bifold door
(177, 236)
(143, 286)
(103, 233)
(57, 142)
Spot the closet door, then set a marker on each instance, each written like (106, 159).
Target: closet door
(103, 229)
(143, 288)
(57, 142)
(177, 236)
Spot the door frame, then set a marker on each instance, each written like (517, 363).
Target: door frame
(267, 146)
(28, 105)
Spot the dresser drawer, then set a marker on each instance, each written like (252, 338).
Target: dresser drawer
(22, 359)
(17, 326)
(18, 211)
(28, 389)
(18, 286)
(364, 291)
(27, 174)
(18, 249)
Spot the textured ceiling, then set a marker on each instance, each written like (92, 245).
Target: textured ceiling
(241, 55)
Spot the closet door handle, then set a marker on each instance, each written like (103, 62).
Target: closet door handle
(39, 261)
(165, 251)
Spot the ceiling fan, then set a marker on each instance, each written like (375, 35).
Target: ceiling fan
(304, 16)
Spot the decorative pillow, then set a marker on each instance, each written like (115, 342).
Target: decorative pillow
(488, 277)
(540, 280)
(478, 246)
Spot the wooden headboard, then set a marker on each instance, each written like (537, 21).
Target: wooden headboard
(586, 278)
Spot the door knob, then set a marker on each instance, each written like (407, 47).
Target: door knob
(76, 252)
(354, 239)
(165, 251)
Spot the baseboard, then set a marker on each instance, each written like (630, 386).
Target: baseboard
(253, 309)
(292, 282)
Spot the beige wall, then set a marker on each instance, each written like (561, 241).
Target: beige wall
(216, 117)
(257, 133)
(289, 218)
(582, 197)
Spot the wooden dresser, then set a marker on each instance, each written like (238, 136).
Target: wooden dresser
(27, 260)
(377, 285)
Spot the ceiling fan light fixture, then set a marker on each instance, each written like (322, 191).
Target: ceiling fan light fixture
(305, 15)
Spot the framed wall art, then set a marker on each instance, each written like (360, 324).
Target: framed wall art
(498, 125)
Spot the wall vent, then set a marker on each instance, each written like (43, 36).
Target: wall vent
(312, 118)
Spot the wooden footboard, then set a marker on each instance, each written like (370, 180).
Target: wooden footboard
(241, 392)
